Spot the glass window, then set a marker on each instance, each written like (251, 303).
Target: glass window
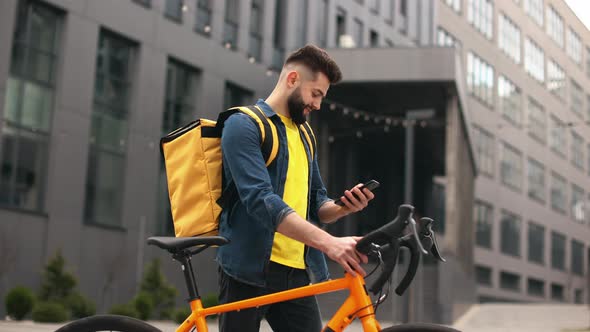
(510, 234)
(278, 51)
(578, 208)
(557, 292)
(236, 96)
(482, 215)
(173, 9)
(509, 281)
(536, 287)
(578, 296)
(577, 99)
(29, 103)
(536, 243)
(256, 29)
(145, 3)
(578, 257)
(558, 193)
(484, 151)
(537, 121)
(483, 275)
(340, 26)
(574, 46)
(577, 150)
(444, 38)
(108, 133)
(534, 8)
(357, 32)
(534, 60)
(558, 139)
(374, 38)
(555, 26)
(480, 14)
(322, 23)
(536, 178)
(509, 97)
(374, 6)
(480, 79)
(509, 38)
(403, 16)
(204, 14)
(557, 251)
(511, 166)
(301, 27)
(455, 4)
(555, 79)
(180, 96)
(230, 30)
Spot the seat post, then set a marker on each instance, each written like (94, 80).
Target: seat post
(184, 257)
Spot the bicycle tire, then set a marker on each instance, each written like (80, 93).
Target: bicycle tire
(113, 323)
(419, 327)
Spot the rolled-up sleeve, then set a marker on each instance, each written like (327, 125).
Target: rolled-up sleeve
(318, 193)
(240, 144)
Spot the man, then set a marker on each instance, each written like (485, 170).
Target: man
(271, 242)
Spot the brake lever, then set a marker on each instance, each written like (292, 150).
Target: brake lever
(413, 226)
(427, 233)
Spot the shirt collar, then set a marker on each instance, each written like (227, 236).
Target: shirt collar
(266, 109)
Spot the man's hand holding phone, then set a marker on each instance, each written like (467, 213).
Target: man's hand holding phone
(358, 197)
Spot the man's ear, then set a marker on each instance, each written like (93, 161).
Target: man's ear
(293, 79)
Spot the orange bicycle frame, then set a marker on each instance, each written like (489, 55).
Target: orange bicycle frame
(358, 304)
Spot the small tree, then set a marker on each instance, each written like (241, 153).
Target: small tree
(154, 284)
(56, 284)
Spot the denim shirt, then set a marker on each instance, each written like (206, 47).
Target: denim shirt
(251, 222)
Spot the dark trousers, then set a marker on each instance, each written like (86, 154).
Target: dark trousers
(296, 315)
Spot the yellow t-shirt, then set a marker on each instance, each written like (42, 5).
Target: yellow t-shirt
(285, 250)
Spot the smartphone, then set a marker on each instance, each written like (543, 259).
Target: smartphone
(371, 185)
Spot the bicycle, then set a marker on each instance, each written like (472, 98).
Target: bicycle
(383, 243)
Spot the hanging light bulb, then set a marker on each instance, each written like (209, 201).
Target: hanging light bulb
(388, 121)
(332, 107)
(227, 45)
(359, 134)
(386, 129)
(184, 7)
(367, 117)
(356, 115)
(423, 123)
(251, 59)
(268, 72)
(331, 139)
(345, 111)
(207, 28)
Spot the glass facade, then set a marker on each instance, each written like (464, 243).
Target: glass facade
(28, 106)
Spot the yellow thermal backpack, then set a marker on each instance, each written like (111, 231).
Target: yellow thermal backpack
(193, 160)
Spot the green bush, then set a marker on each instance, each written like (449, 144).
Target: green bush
(144, 305)
(80, 306)
(49, 312)
(181, 314)
(124, 310)
(161, 292)
(19, 302)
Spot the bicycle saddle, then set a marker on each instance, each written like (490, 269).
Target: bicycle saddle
(175, 244)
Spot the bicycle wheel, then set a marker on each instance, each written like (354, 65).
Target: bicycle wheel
(419, 327)
(113, 323)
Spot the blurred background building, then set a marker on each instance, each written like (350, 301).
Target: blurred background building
(498, 90)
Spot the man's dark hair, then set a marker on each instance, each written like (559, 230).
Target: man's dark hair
(317, 60)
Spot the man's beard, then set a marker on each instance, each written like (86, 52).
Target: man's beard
(296, 107)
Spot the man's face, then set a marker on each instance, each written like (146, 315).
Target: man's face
(307, 97)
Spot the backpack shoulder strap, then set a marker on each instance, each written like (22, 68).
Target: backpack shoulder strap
(268, 131)
(309, 137)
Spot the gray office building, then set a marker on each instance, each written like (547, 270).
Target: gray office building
(88, 87)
